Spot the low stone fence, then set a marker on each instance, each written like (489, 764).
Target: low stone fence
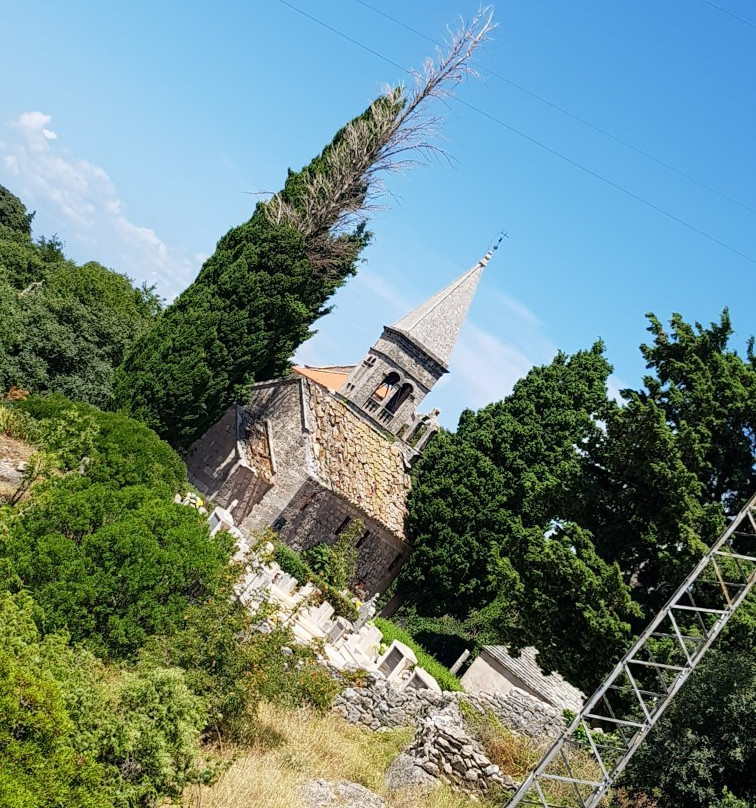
(377, 704)
(443, 748)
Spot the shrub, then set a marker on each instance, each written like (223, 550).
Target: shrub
(343, 606)
(118, 450)
(113, 567)
(291, 562)
(336, 563)
(391, 632)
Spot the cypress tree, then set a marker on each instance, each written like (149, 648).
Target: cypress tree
(256, 298)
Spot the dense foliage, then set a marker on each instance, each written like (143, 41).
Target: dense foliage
(63, 328)
(121, 642)
(104, 550)
(558, 516)
(488, 542)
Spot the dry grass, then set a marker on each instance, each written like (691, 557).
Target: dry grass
(289, 747)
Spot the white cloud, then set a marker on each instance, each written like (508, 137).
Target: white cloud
(518, 309)
(381, 288)
(82, 200)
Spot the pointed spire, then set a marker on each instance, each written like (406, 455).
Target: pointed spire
(434, 326)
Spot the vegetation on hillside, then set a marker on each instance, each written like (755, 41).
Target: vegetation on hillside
(63, 328)
(121, 644)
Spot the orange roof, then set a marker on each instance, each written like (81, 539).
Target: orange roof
(331, 376)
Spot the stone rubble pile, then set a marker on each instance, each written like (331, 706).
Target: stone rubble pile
(444, 749)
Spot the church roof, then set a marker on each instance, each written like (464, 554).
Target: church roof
(435, 325)
(331, 376)
(552, 688)
(354, 461)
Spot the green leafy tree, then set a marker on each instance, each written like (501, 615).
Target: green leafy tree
(112, 566)
(486, 512)
(708, 395)
(535, 436)
(642, 504)
(13, 214)
(456, 520)
(63, 328)
(40, 766)
(256, 298)
(87, 734)
(104, 550)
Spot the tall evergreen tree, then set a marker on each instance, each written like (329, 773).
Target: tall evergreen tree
(490, 544)
(674, 460)
(255, 300)
(708, 395)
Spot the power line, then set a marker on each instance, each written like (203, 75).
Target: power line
(572, 115)
(532, 140)
(729, 13)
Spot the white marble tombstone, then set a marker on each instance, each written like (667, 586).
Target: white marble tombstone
(397, 660)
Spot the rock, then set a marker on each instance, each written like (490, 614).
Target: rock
(404, 773)
(339, 794)
(471, 774)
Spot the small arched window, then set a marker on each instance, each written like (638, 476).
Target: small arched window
(386, 388)
(399, 397)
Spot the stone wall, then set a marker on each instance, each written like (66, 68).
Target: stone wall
(443, 748)
(377, 705)
(316, 514)
(279, 403)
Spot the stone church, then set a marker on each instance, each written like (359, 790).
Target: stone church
(311, 452)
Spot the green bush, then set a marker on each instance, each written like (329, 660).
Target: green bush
(114, 449)
(233, 666)
(291, 562)
(391, 632)
(112, 567)
(76, 732)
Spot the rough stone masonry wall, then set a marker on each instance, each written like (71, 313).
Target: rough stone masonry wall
(316, 514)
(443, 748)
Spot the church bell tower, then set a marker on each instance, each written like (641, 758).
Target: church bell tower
(410, 357)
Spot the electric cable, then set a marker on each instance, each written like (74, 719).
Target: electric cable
(533, 140)
(572, 115)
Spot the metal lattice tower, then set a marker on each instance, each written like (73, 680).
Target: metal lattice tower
(585, 762)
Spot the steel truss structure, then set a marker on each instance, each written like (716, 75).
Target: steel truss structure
(584, 763)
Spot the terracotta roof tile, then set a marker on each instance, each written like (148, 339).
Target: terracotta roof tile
(332, 376)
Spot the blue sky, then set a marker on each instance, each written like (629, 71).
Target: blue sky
(138, 131)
